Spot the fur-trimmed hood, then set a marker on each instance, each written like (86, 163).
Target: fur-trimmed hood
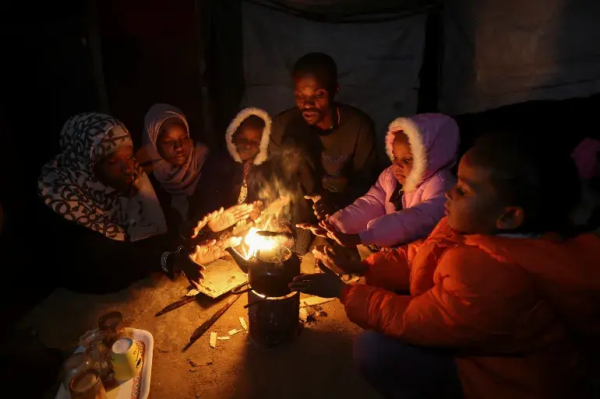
(264, 142)
(434, 140)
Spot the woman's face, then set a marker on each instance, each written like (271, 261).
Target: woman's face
(117, 170)
(403, 159)
(247, 142)
(174, 145)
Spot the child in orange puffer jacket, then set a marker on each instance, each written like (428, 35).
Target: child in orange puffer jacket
(503, 303)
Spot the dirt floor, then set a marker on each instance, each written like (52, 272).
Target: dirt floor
(317, 365)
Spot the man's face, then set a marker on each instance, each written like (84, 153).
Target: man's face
(312, 99)
(472, 205)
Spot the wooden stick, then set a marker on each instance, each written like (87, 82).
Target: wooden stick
(208, 323)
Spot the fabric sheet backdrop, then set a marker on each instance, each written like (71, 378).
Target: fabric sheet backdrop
(378, 63)
(505, 52)
(494, 54)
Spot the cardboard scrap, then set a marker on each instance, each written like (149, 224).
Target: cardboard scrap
(315, 300)
(213, 339)
(223, 338)
(243, 323)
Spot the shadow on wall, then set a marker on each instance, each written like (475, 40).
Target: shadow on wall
(562, 124)
(498, 53)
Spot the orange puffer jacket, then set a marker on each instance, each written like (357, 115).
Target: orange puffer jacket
(522, 314)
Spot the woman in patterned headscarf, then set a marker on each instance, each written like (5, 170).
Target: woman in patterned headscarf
(107, 227)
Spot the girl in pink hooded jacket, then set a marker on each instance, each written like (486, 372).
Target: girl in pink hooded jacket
(408, 199)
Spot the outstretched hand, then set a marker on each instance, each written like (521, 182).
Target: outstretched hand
(343, 239)
(192, 270)
(224, 218)
(325, 285)
(338, 262)
(321, 208)
(315, 229)
(212, 250)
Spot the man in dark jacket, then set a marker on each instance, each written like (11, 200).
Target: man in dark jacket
(328, 145)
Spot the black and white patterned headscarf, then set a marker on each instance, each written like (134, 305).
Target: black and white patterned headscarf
(69, 187)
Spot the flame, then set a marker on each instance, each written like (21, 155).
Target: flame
(255, 243)
(277, 200)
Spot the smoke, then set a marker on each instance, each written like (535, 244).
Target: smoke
(280, 197)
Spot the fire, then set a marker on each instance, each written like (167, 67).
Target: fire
(255, 243)
(277, 202)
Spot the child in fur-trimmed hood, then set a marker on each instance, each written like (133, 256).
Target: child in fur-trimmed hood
(407, 201)
(235, 177)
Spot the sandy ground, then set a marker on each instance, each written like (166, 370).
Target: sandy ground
(317, 365)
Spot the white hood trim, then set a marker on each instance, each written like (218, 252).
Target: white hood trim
(417, 147)
(264, 142)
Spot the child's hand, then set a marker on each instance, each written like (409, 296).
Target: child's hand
(325, 285)
(338, 262)
(345, 240)
(321, 208)
(316, 230)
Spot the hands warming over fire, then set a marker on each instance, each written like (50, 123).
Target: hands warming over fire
(222, 219)
(325, 285)
(328, 230)
(212, 250)
(338, 262)
(321, 208)
(208, 251)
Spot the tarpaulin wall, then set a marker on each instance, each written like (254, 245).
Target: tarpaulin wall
(492, 53)
(378, 62)
(505, 52)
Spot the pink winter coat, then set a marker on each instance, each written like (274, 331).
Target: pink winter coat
(434, 140)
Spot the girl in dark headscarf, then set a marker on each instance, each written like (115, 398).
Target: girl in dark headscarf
(173, 160)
